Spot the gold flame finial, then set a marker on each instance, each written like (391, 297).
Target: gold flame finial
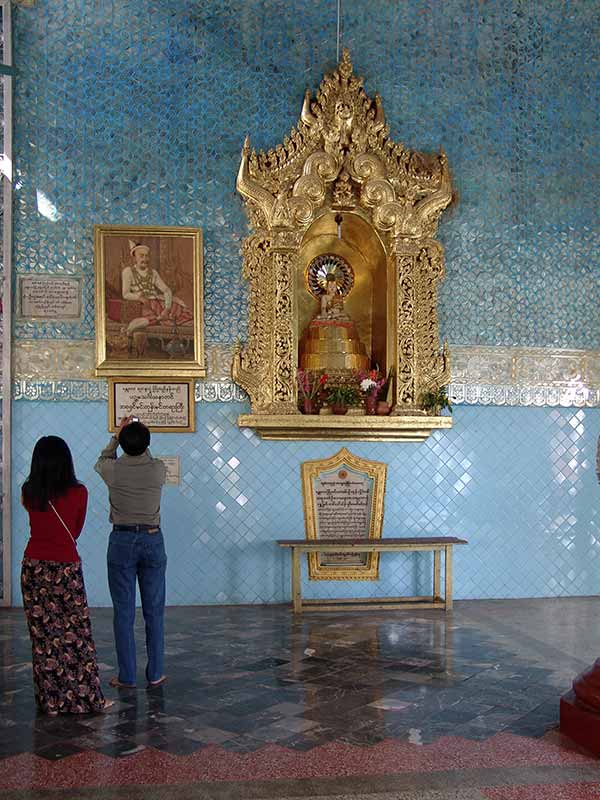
(345, 65)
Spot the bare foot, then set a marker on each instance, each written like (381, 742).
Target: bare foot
(116, 684)
(158, 682)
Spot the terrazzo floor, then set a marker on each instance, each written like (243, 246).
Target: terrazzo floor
(260, 704)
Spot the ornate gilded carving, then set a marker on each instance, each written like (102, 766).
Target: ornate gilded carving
(405, 330)
(434, 369)
(284, 388)
(340, 157)
(252, 368)
(343, 194)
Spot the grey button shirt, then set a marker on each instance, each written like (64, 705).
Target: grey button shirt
(134, 485)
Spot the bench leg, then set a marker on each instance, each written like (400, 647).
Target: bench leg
(448, 562)
(296, 579)
(436, 574)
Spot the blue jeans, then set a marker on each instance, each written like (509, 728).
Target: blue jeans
(137, 555)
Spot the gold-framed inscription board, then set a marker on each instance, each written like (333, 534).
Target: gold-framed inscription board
(164, 406)
(343, 499)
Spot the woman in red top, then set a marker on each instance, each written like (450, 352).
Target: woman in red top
(65, 672)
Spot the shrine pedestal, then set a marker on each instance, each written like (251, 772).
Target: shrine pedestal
(580, 724)
(303, 427)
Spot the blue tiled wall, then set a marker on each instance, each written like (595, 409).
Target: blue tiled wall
(518, 483)
(134, 112)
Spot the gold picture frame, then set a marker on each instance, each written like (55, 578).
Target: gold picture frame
(154, 401)
(352, 498)
(149, 301)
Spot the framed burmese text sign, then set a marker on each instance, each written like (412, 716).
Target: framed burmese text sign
(149, 312)
(343, 500)
(49, 297)
(165, 406)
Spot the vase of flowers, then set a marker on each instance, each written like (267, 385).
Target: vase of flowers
(309, 385)
(370, 404)
(370, 384)
(341, 397)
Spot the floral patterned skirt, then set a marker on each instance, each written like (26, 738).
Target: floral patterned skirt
(65, 672)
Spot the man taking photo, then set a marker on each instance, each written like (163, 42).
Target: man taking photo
(136, 550)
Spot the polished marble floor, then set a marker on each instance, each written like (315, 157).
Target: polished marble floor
(405, 704)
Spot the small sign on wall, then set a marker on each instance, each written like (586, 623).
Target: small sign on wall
(173, 465)
(163, 406)
(49, 297)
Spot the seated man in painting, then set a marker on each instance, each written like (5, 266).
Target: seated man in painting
(143, 284)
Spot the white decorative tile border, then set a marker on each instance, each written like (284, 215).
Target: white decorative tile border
(515, 376)
(69, 359)
(525, 376)
(494, 395)
(53, 359)
(525, 366)
(205, 391)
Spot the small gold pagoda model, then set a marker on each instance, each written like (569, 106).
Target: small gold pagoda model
(331, 342)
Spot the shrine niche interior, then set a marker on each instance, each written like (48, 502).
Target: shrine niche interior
(343, 266)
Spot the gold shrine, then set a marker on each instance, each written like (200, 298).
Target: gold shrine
(340, 203)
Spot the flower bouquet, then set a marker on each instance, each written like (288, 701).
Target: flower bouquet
(341, 398)
(309, 384)
(370, 385)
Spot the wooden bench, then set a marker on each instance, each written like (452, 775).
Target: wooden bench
(437, 544)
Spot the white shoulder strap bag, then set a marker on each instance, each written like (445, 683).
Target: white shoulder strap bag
(65, 526)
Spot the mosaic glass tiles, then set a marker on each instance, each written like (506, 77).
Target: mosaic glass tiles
(518, 483)
(135, 112)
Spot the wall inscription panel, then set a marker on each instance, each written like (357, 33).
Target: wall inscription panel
(49, 297)
(173, 465)
(343, 499)
(343, 504)
(164, 406)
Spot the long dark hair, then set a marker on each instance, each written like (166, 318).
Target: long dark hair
(51, 474)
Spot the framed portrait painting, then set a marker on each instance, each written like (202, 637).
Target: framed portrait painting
(149, 308)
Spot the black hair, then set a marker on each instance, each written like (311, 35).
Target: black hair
(134, 438)
(51, 473)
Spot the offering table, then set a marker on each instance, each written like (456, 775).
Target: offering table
(437, 544)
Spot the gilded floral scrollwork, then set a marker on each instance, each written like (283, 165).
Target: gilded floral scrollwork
(434, 368)
(284, 389)
(340, 156)
(405, 331)
(252, 364)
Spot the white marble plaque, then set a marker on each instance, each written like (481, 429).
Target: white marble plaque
(162, 406)
(343, 511)
(173, 465)
(49, 297)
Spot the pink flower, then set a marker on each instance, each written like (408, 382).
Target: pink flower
(309, 384)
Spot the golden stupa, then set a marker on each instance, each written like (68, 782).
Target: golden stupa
(331, 342)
